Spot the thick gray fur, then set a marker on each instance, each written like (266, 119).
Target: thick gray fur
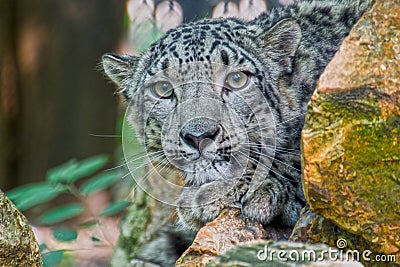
(283, 52)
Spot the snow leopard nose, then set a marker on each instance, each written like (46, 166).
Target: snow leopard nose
(197, 130)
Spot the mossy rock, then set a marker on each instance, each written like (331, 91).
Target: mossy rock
(17, 240)
(351, 138)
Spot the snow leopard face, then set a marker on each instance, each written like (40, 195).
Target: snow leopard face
(206, 102)
(221, 103)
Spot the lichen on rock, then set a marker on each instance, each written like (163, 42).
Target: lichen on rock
(351, 138)
(18, 245)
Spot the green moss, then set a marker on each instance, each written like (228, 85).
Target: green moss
(356, 148)
(133, 226)
(372, 150)
(371, 145)
(15, 229)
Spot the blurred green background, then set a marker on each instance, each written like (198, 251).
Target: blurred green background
(53, 101)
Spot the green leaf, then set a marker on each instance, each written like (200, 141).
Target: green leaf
(115, 207)
(88, 224)
(99, 182)
(52, 258)
(61, 213)
(65, 234)
(42, 247)
(73, 170)
(61, 173)
(87, 167)
(27, 196)
(95, 239)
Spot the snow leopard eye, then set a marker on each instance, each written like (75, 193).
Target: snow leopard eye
(162, 89)
(236, 80)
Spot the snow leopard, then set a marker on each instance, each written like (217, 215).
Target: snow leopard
(223, 102)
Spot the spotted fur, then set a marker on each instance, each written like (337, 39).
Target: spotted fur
(252, 158)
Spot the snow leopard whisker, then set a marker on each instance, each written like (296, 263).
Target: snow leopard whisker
(152, 170)
(142, 165)
(131, 171)
(151, 158)
(257, 126)
(269, 146)
(265, 167)
(283, 122)
(256, 162)
(238, 162)
(277, 148)
(106, 135)
(149, 155)
(144, 176)
(275, 159)
(134, 158)
(252, 128)
(283, 149)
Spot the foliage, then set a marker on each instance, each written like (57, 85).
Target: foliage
(65, 234)
(77, 178)
(115, 208)
(52, 258)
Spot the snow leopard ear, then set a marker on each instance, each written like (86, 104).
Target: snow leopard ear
(282, 41)
(120, 69)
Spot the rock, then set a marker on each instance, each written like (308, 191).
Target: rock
(313, 228)
(351, 138)
(224, 233)
(18, 245)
